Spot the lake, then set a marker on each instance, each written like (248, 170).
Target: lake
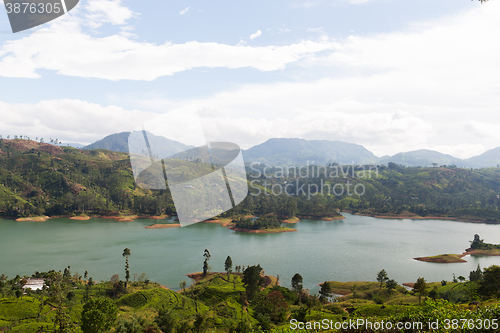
(353, 249)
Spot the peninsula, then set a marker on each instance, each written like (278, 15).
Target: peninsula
(477, 248)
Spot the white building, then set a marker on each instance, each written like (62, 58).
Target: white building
(34, 284)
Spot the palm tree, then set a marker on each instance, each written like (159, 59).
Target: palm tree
(126, 254)
(207, 256)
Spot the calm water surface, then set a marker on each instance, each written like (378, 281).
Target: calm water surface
(353, 249)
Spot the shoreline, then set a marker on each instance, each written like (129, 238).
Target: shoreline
(335, 218)
(224, 222)
(163, 226)
(262, 231)
(122, 218)
(418, 217)
(322, 218)
(33, 219)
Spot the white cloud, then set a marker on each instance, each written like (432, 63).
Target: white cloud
(67, 120)
(319, 30)
(68, 50)
(184, 11)
(255, 35)
(117, 57)
(434, 86)
(481, 129)
(106, 11)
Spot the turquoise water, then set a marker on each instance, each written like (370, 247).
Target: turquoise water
(353, 249)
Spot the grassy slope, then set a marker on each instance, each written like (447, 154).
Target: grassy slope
(219, 301)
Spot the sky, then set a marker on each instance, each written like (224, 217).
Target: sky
(390, 75)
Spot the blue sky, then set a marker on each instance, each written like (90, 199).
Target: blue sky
(390, 75)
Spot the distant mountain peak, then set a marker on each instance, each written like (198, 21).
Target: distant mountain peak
(295, 151)
(119, 142)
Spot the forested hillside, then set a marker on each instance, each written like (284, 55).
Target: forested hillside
(468, 194)
(38, 178)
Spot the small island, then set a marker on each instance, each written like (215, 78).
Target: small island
(163, 226)
(477, 248)
(443, 258)
(265, 224)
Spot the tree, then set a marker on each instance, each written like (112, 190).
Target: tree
(126, 253)
(433, 293)
(391, 286)
(57, 287)
(117, 290)
(88, 288)
(134, 325)
(98, 315)
(67, 272)
(182, 285)
(166, 321)
(207, 256)
(490, 284)
(476, 243)
(420, 287)
(382, 278)
(115, 278)
(251, 280)
(297, 283)
(228, 266)
(22, 283)
(199, 323)
(325, 292)
(476, 275)
(273, 305)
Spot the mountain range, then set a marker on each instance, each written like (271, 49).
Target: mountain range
(293, 151)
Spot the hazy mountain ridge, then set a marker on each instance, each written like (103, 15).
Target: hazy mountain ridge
(119, 142)
(294, 151)
(301, 152)
(489, 158)
(422, 157)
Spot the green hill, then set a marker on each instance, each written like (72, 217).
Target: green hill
(422, 157)
(39, 178)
